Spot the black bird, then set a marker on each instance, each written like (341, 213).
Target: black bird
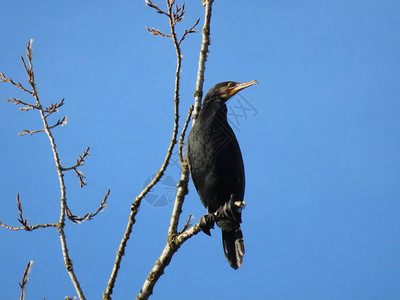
(216, 166)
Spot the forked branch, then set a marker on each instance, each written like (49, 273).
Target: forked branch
(25, 280)
(175, 14)
(75, 219)
(63, 201)
(24, 221)
(176, 239)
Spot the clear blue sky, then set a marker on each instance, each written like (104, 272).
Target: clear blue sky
(321, 147)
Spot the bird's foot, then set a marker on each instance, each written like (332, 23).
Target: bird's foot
(230, 210)
(206, 223)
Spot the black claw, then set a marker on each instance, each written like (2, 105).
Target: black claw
(207, 223)
(230, 210)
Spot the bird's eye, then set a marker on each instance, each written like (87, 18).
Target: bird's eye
(231, 84)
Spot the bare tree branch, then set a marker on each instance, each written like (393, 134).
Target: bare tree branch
(59, 122)
(154, 31)
(64, 210)
(175, 239)
(26, 131)
(21, 219)
(30, 228)
(182, 137)
(3, 78)
(26, 106)
(63, 200)
(174, 17)
(79, 162)
(182, 185)
(198, 93)
(25, 279)
(54, 107)
(89, 216)
(158, 10)
(188, 31)
(187, 224)
(24, 221)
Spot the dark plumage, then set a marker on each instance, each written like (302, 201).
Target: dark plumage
(217, 170)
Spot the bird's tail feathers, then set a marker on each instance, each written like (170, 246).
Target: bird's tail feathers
(233, 247)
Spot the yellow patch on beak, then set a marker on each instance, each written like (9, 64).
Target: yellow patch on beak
(237, 88)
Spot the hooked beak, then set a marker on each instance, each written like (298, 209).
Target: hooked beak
(237, 88)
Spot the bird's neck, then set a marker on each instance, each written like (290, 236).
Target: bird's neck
(212, 109)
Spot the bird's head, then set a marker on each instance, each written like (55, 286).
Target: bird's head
(225, 90)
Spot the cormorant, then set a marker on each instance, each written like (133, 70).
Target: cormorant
(216, 166)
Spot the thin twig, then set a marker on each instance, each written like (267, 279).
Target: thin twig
(26, 106)
(21, 219)
(152, 5)
(89, 216)
(3, 78)
(26, 131)
(24, 221)
(188, 31)
(198, 93)
(59, 122)
(182, 137)
(79, 162)
(187, 224)
(25, 279)
(154, 31)
(53, 107)
(29, 228)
